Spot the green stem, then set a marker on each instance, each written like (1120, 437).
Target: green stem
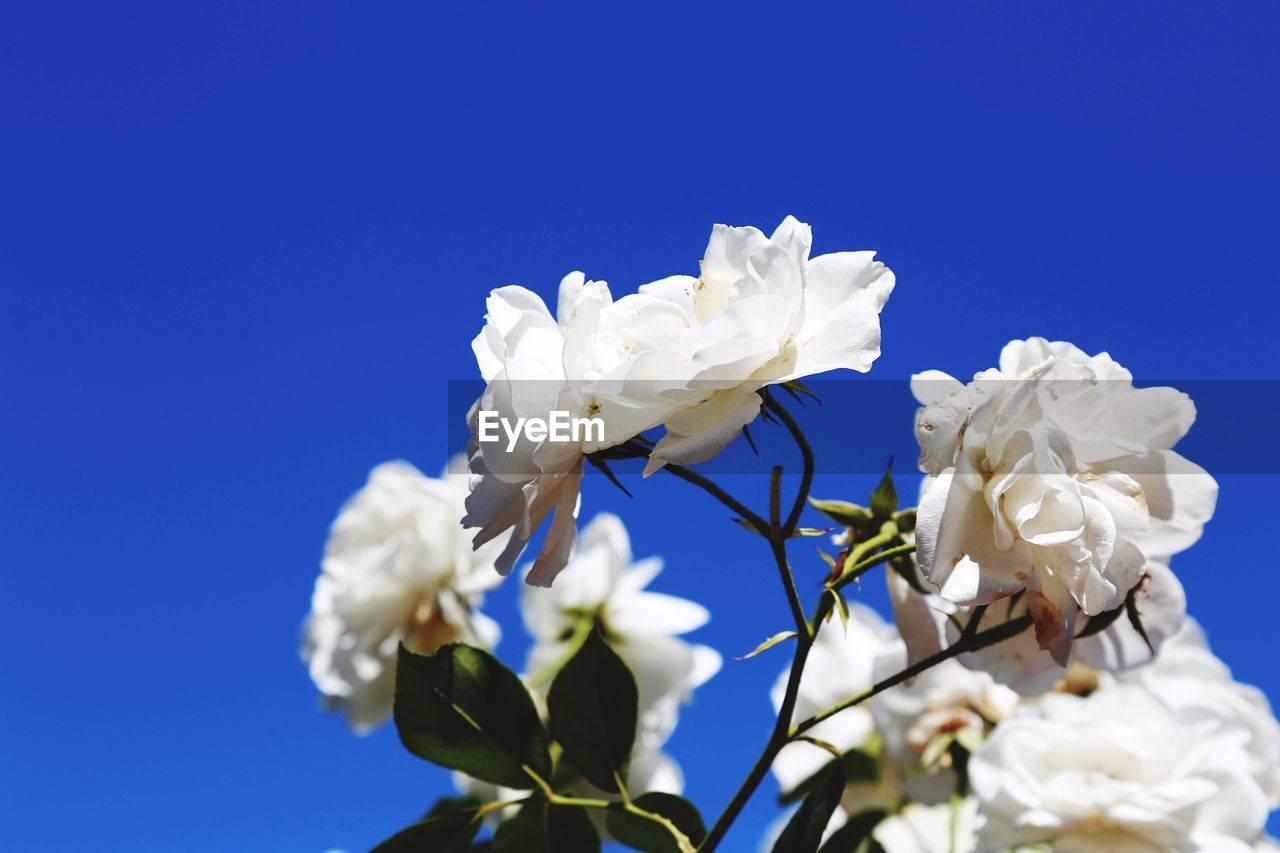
(719, 494)
(858, 569)
(806, 454)
(973, 643)
(778, 738)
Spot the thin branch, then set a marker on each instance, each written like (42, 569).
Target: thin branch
(719, 494)
(806, 453)
(871, 562)
(981, 640)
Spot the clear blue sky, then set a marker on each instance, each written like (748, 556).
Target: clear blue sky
(242, 247)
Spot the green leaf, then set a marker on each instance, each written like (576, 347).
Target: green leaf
(884, 500)
(906, 521)
(768, 644)
(643, 833)
(592, 706)
(542, 828)
(447, 834)
(746, 525)
(803, 832)
(462, 709)
(855, 832)
(858, 766)
(449, 806)
(842, 607)
(806, 532)
(843, 512)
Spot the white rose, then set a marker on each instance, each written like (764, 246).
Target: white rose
(1053, 475)
(1118, 770)
(1189, 678)
(601, 585)
(397, 568)
(579, 363)
(761, 312)
(942, 828)
(918, 719)
(842, 663)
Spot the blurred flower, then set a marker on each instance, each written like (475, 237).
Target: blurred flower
(602, 586)
(1052, 474)
(1192, 681)
(761, 312)
(1119, 770)
(943, 828)
(919, 720)
(397, 568)
(841, 664)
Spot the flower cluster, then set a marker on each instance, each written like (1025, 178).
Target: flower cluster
(1174, 755)
(688, 354)
(1041, 685)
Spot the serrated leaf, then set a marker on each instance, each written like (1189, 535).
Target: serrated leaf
(542, 828)
(803, 833)
(462, 709)
(768, 644)
(592, 710)
(643, 833)
(884, 500)
(855, 832)
(446, 834)
(843, 512)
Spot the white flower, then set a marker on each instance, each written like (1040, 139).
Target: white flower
(1053, 475)
(601, 585)
(1190, 679)
(841, 664)
(1118, 770)
(534, 364)
(397, 568)
(918, 720)
(942, 828)
(761, 312)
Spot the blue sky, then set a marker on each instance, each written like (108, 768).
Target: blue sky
(243, 247)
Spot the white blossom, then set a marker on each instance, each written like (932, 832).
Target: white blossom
(603, 586)
(1119, 770)
(397, 568)
(760, 312)
(942, 828)
(534, 364)
(1190, 679)
(841, 664)
(1053, 475)
(918, 720)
